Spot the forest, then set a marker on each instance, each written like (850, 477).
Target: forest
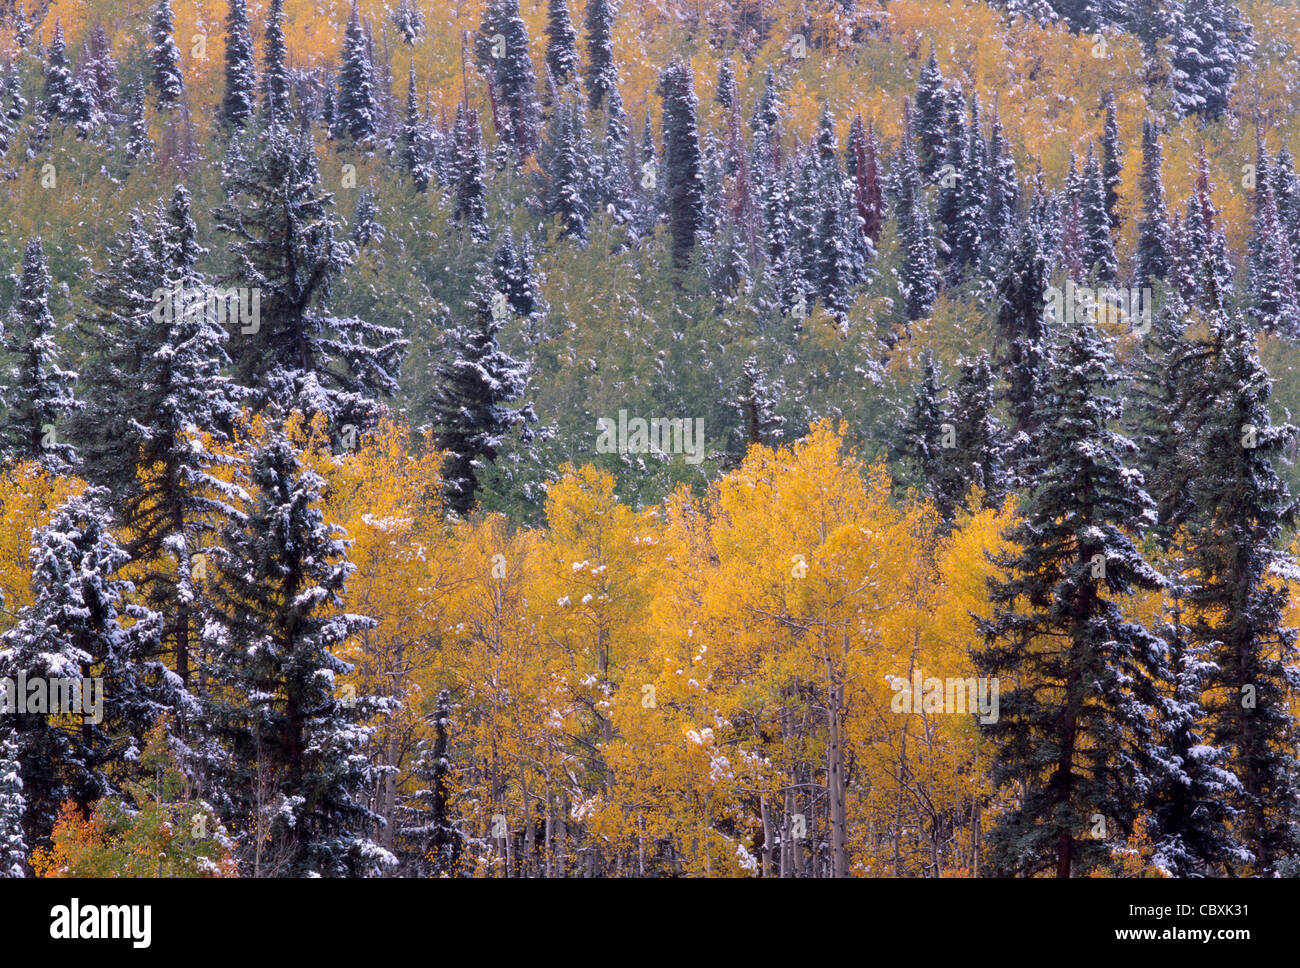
(657, 438)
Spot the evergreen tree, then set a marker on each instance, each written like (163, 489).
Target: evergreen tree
(925, 441)
(101, 71)
(1211, 44)
(475, 382)
(514, 276)
(22, 28)
(432, 837)
(415, 142)
(956, 162)
(1241, 509)
(81, 621)
(165, 57)
(932, 119)
(617, 192)
(980, 450)
(682, 167)
(13, 842)
(56, 100)
(1112, 159)
(567, 163)
(356, 100)
(918, 276)
(156, 390)
(1191, 811)
(1098, 246)
(727, 92)
(366, 227)
(138, 143)
(12, 108)
(864, 168)
(1022, 335)
(409, 21)
(561, 43)
(1270, 269)
(240, 97)
(292, 785)
(1074, 729)
(1159, 416)
(1154, 245)
(1003, 189)
(40, 391)
(514, 83)
(600, 75)
(287, 248)
(760, 423)
(469, 170)
(274, 72)
(82, 113)
(972, 196)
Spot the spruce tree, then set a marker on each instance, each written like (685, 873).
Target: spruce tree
(101, 71)
(1212, 44)
(1159, 418)
(1270, 269)
(469, 170)
(561, 43)
(475, 382)
(924, 441)
(932, 118)
(165, 57)
(567, 162)
(414, 150)
(682, 163)
(1003, 190)
(293, 783)
(514, 83)
(82, 622)
(980, 450)
(1154, 245)
(356, 100)
(617, 193)
(138, 143)
(1112, 158)
(918, 276)
(13, 842)
(39, 393)
(1074, 733)
(431, 836)
(1098, 246)
(1022, 339)
(863, 166)
(972, 196)
(56, 98)
(409, 21)
(600, 75)
(727, 93)
(1241, 509)
(1191, 810)
(240, 98)
(156, 391)
(366, 227)
(274, 71)
(287, 246)
(760, 423)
